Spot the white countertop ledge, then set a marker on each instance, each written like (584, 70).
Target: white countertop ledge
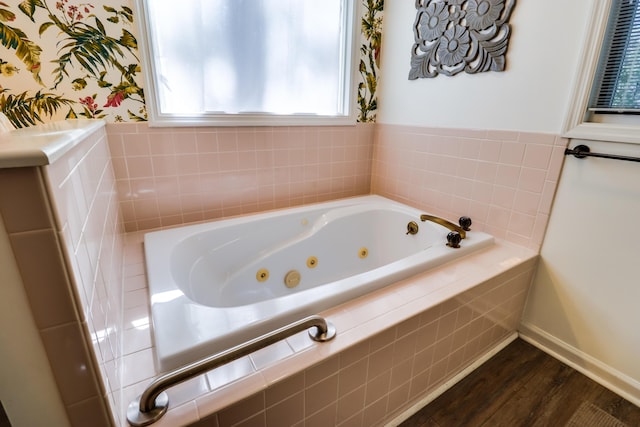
(43, 144)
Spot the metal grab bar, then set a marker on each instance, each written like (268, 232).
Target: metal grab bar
(582, 151)
(152, 404)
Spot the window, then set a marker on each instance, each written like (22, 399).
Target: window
(610, 109)
(234, 62)
(617, 88)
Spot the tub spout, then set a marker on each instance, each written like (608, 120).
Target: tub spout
(465, 223)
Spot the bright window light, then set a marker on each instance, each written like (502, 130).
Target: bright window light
(248, 61)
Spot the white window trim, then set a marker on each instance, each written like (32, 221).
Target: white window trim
(575, 125)
(157, 119)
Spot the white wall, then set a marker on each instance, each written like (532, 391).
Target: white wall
(531, 95)
(584, 305)
(27, 388)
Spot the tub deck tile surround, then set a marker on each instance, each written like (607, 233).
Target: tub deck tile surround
(393, 347)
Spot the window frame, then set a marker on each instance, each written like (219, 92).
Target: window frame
(577, 124)
(159, 119)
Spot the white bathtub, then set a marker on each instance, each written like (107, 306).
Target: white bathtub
(219, 284)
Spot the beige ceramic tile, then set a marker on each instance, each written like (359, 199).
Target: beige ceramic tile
(318, 372)
(398, 398)
(284, 388)
(532, 180)
(233, 392)
(188, 391)
(537, 138)
(134, 283)
(138, 366)
(401, 369)
(286, 412)
(300, 341)
(352, 376)
(136, 317)
(136, 339)
(182, 415)
(71, 363)
(419, 384)
(321, 394)
(350, 404)
(136, 144)
(91, 412)
(354, 354)
(207, 421)
(375, 412)
(139, 167)
(537, 156)
(230, 372)
(44, 276)
(404, 347)
(324, 417)
(242, 410)
(136, 298)
(23, 200)
(270, 354)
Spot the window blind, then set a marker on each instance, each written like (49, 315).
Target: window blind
(617, 88)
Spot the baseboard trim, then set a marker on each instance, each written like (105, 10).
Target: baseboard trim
(450, 383)
(603, 374)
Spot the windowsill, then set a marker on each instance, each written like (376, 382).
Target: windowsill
(629, 134)
(250, 120)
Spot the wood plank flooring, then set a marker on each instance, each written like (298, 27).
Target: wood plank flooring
(521, 386)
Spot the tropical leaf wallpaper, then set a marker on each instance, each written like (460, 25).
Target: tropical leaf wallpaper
(371, 22)
(72, 59)
(66, 59)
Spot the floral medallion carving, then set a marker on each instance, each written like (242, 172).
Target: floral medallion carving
(452, 36)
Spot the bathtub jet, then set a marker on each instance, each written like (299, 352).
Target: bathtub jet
(216, 285)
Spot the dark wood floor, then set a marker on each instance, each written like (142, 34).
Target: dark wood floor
(521, 386)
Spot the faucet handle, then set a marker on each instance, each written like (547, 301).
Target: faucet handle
(412, 228)
(454, 239)
(465, 223)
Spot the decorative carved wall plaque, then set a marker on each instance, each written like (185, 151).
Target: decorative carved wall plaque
(460, 35)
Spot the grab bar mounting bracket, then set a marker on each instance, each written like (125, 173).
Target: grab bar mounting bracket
(139, 418)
